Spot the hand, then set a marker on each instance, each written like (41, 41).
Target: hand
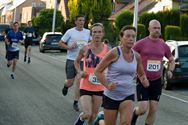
(145, 83)
(111, 86)
(74, 45)
(81, 74)
(169, 74)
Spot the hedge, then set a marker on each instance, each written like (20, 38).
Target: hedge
(172, 32)
(184, 25)
(141, 31)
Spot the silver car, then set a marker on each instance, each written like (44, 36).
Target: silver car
(179, 50)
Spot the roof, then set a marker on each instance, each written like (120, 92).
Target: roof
(16, 3)
(143, 5)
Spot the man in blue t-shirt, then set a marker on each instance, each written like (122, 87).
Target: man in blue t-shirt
(29, 35)
(13, 37)
(6, 32)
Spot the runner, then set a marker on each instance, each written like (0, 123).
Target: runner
(29, 35)
(91, 90)
(13, 37)
(73, 40)
(122, 64)
(152, 50)
(6, 32)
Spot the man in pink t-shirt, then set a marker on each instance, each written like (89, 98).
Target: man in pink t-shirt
(152, 50)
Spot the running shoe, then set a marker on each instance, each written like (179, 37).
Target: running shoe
(25, 58)
(79, 121)
(65, 90)
(12, 76)
(8, 65)
(100, 116)
(75, 107)
(29, 61)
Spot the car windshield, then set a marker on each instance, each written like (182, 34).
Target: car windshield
(54, 37)
(183, 51)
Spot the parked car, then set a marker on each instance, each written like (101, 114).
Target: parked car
(3, 27)
(179, 50)
(50, 41)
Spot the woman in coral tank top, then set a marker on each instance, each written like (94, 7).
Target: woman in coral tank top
(91, 90)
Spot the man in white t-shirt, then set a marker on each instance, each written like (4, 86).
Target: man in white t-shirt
(73, 40)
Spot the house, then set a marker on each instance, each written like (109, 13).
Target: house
(31, 11)
(15, 9)
(63, 7)
(144, 6)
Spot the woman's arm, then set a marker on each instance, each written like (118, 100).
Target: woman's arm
(110, 57)
(77, 62)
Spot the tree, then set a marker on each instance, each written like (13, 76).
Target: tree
(44, 21)
(73, 9)
(125, 18)
(94, 10)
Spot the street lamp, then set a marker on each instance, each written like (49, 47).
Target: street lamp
(135, 20)
(56, 3)
(54, 16)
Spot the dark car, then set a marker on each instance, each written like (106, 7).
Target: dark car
(50, 41)
(3, 28)
(179, 50)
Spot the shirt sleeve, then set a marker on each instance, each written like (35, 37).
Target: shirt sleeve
(66, 37)
(21, 36)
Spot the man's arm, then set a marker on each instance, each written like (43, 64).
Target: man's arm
(171, 66)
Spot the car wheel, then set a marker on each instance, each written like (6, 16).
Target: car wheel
(166, 84)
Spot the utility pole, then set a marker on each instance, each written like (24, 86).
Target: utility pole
(135, 20)
(54, 16)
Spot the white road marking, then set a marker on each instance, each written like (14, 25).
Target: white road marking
(173, 97)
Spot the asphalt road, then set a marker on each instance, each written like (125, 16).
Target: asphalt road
(34, 97)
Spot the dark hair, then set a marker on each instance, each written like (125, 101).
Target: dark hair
(106, 41)
(97, 24)
(29, 21)
(78, 16)
(128, 27)
(15, 23)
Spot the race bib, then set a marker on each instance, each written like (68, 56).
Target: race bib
(93, 79)
(153, 65)
(81, 43)
(15, 45)
(29, 35)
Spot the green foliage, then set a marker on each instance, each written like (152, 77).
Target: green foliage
(184, 25)
(45, 19)
(174, 17)
(94, 10)
(141, 31)
(73, 9)
(101, 10)
(145, 18)
(123, 19)
(172, 32)
(111, 33)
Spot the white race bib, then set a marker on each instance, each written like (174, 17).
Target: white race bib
(15, 45)
(93, 79)
(81, 43)
(153, 65)
(29, 35)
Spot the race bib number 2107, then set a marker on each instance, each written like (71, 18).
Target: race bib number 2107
(153, 65)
